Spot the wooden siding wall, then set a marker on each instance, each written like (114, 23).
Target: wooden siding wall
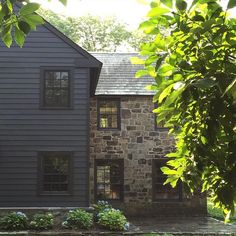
(25, 129)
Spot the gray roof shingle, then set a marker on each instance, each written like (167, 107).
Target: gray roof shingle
(118, 75)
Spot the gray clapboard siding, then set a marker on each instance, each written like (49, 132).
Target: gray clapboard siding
(25, 129)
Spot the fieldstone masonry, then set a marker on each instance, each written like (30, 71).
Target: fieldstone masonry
(138, 143)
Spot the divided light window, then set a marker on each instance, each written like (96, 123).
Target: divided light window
(55, 173)
(109, 179)
(163, 192)
(108, 113)
(56, 88)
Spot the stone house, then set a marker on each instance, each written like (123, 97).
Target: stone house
(74, 131)
(128, 148)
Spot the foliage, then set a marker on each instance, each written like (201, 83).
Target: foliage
(42, 221)
(101, 206)
(192, 59)
(113, 219)
(78, 219)
(17, 19)
(217, 213)
(94, 33)
(14, 221)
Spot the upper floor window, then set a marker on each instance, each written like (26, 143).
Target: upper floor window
(109, 113)
(56, 88)
(109, 179)
(55, 173)
(160, 191)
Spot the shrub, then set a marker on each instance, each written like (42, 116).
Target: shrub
(42, 221)
(113, 219)
(78, 219)
(100, 207)
(14, 221)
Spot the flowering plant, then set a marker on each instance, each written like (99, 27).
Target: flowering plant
(78, 219)
(113, 219)
(42, 221)
(14, 221)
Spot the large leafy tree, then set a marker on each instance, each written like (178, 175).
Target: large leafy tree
(192, 59)
(91, 32)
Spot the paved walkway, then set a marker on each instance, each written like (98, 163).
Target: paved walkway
(186, 226)
(155, 226)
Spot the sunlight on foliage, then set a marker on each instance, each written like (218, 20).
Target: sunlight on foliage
(192, 59)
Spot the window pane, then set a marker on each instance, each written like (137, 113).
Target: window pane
(55, 172)
(109, 174)
(108, 114)
(161, 191)
(56, 88)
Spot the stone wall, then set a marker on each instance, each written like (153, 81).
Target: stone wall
(138, 143)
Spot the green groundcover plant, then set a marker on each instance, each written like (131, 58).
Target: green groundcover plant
(192, 59)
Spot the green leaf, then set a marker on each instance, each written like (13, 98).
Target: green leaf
(64, 2)
(231, 4)
(9, 6)
(141, 73)
(33, 20)
(19, 37)
(230, 87)
(168, 3)
(23, 26)
(166, 70)
(137, 60)
(181, 5)
(205, 83)
(157, 11)
(7, 38)
(165, 93)
(29, 8)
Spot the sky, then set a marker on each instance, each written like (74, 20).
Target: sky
(131, 12)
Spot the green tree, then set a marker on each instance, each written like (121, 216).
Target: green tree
(192, 59)
(91, 32)
(94, 33)
(17, 19)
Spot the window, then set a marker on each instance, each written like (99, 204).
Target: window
(56, 88)
(55, 174)
(109, 179)
(108, 113)
(160, 191)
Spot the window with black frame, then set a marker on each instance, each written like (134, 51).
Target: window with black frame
(56, 89)
(109, 179)
(163, 192)
(55, 173)
(108, 113)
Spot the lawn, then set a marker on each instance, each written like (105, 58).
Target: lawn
(217, 213)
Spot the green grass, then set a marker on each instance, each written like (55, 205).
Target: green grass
(217, 213)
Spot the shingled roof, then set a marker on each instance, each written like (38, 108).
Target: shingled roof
(118, 75)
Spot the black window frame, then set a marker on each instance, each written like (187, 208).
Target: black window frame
(109, 99)
(179, 187)
(41, 156)
(43, 71)
(108, 162)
